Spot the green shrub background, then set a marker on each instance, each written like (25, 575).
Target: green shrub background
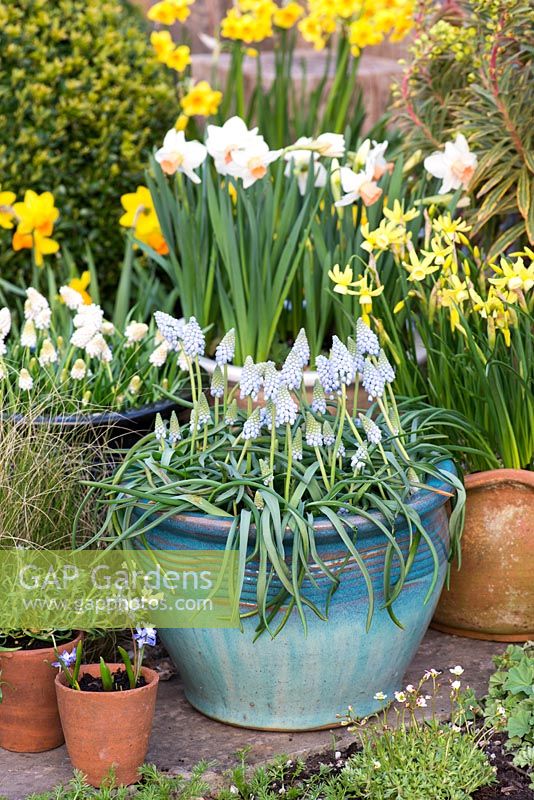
(82, 101)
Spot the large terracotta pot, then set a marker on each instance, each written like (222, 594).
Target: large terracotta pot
(29, 718)
(107, 730)
(300, 680)
(492, 596)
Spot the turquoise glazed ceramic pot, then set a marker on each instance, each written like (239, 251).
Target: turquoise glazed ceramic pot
(300, 681)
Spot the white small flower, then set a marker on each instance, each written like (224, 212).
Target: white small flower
(234, 789)
(410, 688)
(400, 697)
(421, 702)
(177, 155)
(71, 297)
(78, 370)
(358, 185)
(225, 350)
(5, 322)
(224, 141)
(25, 380)
(299, 163)
(501, 711)
(375, 162)
(457, 670)
(455, 165)
(380, 696)
(97, 347)
(431, 673)
(28, 337)
(377, 764)
(82, 336)
(36, 309)
(251, 163)
(456, 685)
(89, 316)
(48, 354)
(330, 145)
(158, 356)
(108, 328)
(456, 728)
(135, 332)
(193, 340)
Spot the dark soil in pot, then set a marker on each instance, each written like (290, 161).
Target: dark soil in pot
(92, 683)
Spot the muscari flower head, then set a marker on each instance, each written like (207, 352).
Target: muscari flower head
(225, 350)
(217, 382)
(231, 413)
(385, 368)
(200, 414)
(291, 375)
(314, 435)
(342, 361)
(329, 436)
(359, 458)
(170, 328)
(341, 451)
(193, 340)
(359, 360)
(373, 380)
(160, 429)
(296, 446)
(252, 426)
(266, 472)
(327, 375)
(371, 429)
(318, 403)
(366, 339)
(271, 380)
(174, 430)
(301, 348)
(250, 379)
(286, 408)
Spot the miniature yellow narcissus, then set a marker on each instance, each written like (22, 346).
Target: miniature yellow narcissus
(141, 216)
(6, 209)
(170, 11)
(36, 216)
(201, 100)
(287, 16)
(81, 285)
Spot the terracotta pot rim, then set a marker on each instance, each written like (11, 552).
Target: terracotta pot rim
(150, 675)
(479, 480)
(36, 651)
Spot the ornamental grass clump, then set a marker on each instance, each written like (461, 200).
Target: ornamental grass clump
(278, 462)
(82, 97)
(67, 359)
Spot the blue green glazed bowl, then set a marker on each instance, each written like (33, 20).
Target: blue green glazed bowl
(300, 681)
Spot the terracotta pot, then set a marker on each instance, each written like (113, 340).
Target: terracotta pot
(29, 717)
(492, 596)
(105, 730)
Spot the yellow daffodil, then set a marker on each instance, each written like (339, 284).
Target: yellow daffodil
(452, 229)
(398, 215)
(162, 43)
(179, 58)
(388, 234)
(341, 278)
(167, 12)
(36, 216)
(442, 253)
(81, 285)
(201, 100)
(141, 216)
(6, 209)
(419, 269)
(514, 276)
(452, 297)
(365, 294)
(287, 16)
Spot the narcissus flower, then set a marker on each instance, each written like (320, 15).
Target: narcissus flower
(224, 140)
(6, 209)
(179, 155)
(358, 185)
(36, 216)
(455, 165)
(201, 100)
(170, 11)
(513, 275)
(251, 164)
(299, 163)
(162, 43)
(140, 215)
(81, 285)
(287, 16)
(179, 58)
(341, 278)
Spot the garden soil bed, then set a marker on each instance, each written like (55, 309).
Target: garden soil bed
(512, 782)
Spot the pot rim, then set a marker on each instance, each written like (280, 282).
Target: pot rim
(491, 477)
(28, 653)
(423, 500)
(150, 675)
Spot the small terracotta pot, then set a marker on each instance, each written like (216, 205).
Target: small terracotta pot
(29, 717)
(105, 730)
(492, 596)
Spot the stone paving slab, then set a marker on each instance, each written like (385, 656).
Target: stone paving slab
(181, 736)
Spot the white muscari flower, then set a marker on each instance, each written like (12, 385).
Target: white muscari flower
(48, 354)
(373, 380)
(371, 429)
(160, 428)
(286, 408)
(179, 155)
(455, 165)
(5, 322)
(108, 328)
(296, 446)
(89, 316)
(366, 339)
(223, 141)
(314, 434)
(301, 348)
(193, 340)
(341, 451)
(359, 458)
(231, 413)
(291, 374)
(217, 383)
(78, 370)
(327, 375)
(200, 414)
(299, 163)
(82, 336)
(170, 328)
(158, 356)
(266, 472)
(251, 163)
(329, 436)
(250, 379)
(342, 361)
(252, 426)
(25, 380)
(175, 433)
(266, 415)
(318, 403)
(71, 297)
(225, 350)
(28, 337)
(359, 360)
(97, 347)
(37, 310)
(135, 332)
(271, 380)
(385, 368)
